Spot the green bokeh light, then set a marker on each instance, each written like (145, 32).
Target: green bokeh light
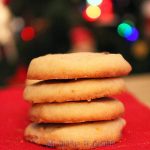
(124, 29)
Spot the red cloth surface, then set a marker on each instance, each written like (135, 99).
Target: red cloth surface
(14, 118)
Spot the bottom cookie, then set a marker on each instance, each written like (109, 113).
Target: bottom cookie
(75, 136)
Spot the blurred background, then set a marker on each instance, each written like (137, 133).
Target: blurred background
(30, 28)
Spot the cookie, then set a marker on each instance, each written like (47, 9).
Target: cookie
(78, 65)
(72, 90)
(29, 82)
(75, 136)
(73, 112)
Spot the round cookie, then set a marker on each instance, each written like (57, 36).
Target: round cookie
(75, 136)
(78, 65)
(72, 90)
(73, 112)
(29, 82)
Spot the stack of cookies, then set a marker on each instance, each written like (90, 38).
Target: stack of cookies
(72, 104)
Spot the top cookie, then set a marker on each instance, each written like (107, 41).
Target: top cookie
(78, 65)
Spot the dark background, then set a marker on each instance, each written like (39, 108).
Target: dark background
(58, 26)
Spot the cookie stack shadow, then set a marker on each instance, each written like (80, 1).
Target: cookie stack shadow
(72, 104)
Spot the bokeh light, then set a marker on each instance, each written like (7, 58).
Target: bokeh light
(128, 31)
(87, 18)
(107, 16)
(94, 2)
(134, 36)
(124, 30)
(93, 12)
(28, 33)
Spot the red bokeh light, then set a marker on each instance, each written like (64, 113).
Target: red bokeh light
(80, 34)
(6, 2)
(107, 6)
(107, 12)
(28, 34)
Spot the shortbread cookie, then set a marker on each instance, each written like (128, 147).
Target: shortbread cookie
(72, 112)
(29, 82)
(75, 136)
(78, 65)
(73, 90)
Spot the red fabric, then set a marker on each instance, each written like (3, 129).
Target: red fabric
(14, 118)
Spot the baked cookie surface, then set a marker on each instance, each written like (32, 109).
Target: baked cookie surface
(73, 112)
(30, 82)
(75, 136)
(78, 65)
(73, 90)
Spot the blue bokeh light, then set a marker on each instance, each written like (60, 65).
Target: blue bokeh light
(134, 36)
(128, 31)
